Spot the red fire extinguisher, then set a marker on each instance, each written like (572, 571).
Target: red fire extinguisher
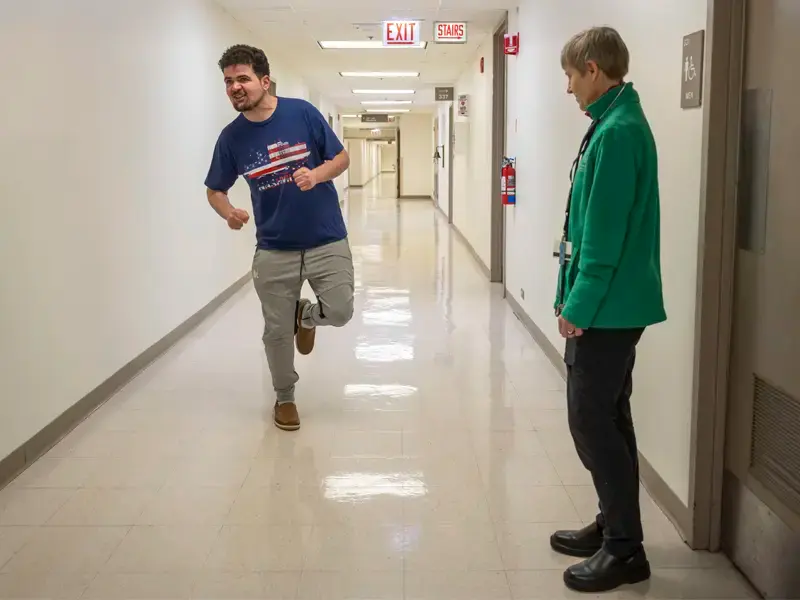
(508, 182)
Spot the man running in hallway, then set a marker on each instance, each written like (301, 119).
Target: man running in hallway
(289, 156)
(609, 291)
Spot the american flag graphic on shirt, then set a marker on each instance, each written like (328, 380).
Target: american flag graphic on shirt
(282, 160)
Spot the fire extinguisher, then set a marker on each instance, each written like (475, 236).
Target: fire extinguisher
(508, 182)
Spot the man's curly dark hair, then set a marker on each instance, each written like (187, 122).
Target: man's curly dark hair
(242, 54)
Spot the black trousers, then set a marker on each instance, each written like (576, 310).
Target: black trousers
(599, 386)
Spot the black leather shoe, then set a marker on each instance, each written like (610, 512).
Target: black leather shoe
(605, 572)
(581, 544)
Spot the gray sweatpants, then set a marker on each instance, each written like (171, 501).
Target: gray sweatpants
(278, 276)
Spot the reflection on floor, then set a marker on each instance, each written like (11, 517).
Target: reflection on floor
(433, 460)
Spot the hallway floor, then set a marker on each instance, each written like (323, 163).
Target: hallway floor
(433, 460)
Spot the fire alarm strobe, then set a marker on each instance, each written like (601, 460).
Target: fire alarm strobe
(511, 44)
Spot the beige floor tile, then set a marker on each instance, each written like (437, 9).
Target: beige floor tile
(355, 548)
(451, 547)
(66, 550)
(259, 548)
(43, 585)
(457, 585)
(163, 549)
(275, 505)
(456, 443)
(22, 506)
(104, 507)
(445, 505)
(141, 586)
(239, 585)
(12, 539)
(532, 504)
(173, 505)
(510, 472)
(350, 585)
(367, 444)
(135, 471)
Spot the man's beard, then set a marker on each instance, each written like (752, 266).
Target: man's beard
(247, 104)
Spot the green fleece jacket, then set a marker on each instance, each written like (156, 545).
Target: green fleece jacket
(613, 279)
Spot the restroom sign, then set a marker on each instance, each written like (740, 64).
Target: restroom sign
(401, 33)
(692, 70)
(449, 32)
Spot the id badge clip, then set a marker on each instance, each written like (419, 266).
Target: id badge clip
(562, 251)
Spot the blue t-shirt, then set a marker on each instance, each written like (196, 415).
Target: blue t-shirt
(267, 154)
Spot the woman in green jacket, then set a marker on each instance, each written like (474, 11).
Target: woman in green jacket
(609, 291)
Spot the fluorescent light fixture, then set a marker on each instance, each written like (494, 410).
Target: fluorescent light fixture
(363, 45)
(388, 92)
(350, 116)
(386, 111)
(386, 102)
(379, 74)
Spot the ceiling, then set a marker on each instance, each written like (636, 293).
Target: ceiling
(298, 25)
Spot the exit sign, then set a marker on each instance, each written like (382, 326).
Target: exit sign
(449, 32)
(401, 33)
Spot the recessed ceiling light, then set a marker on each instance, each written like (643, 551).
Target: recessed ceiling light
(363, 45)
(379, 74)
(386, 102)
(387, 110)
(384, 92)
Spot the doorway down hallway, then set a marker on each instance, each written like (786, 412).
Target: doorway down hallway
(433, 460)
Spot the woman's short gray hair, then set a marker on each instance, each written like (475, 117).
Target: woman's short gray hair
(601, 45)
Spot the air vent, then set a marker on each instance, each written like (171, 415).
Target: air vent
(775, 450)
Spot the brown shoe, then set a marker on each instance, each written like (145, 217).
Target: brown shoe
(286, 416)
(304, 338)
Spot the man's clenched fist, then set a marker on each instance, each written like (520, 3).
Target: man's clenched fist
(238, 218)
(305, 178)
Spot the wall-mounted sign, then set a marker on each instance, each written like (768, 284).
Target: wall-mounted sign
(692, 70)
(449, 32)
(375, 118)
(462, 105)
(401, 33)
(444, 94)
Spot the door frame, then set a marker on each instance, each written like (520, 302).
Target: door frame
(451, 158)
(399, 160)
(497, 239)
(437, 166)
(702, 522)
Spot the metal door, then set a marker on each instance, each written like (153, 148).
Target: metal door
(761, 488)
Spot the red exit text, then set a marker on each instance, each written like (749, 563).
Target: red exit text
(400, 33)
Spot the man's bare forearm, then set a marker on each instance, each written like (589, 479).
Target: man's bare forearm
(333, 168)
(220, 203)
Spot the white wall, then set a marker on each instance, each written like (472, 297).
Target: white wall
(545, 139)
(364, 161)
(388, 154)
(416, 155)
(444, 166)
(358, 161)
(107, 241)
(472, 175)
(373, 165)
